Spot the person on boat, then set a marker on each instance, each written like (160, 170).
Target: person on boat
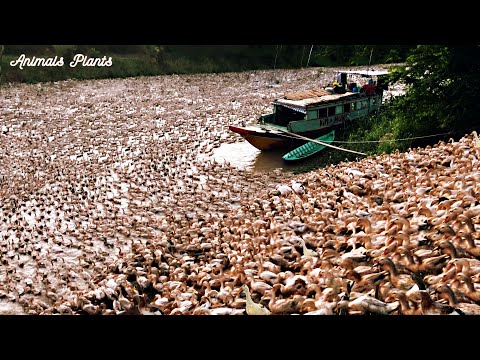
(337, 88)
(369, 88)
(380, 86)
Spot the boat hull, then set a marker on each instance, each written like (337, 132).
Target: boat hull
(268, 139)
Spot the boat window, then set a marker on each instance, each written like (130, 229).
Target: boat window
(331, 111)
(322, 113)
(338, 109)
(284, 115)
(346, 107)
(312, 114)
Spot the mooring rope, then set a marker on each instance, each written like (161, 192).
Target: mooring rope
(380, 141)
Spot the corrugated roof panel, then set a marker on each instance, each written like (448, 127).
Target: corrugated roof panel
(293, 107)
(300, 95)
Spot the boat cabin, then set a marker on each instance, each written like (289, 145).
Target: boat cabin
(310, 114)
(314, 110)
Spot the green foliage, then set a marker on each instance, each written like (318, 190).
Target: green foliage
(29, 50)
(356, 55)
(442, 86)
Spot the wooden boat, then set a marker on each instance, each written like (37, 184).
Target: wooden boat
(309, 148)
(313, 113)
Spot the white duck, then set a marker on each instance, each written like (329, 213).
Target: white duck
(284, 189)
(254, 308)
(477, 140)
(298, 187)
(306, 251)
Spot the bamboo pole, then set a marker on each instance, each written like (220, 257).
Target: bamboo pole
(308, 61)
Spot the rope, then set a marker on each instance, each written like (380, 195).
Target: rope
(321, 142)
(404, 139)
(379, 141)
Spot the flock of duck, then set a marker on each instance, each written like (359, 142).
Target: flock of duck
(110, 203)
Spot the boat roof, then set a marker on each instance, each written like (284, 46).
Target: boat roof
(300, 95)
(365, 72)
(302, 103)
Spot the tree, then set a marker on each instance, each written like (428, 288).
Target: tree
(442, 85)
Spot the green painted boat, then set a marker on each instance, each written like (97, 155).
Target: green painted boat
(310, 113)
(309, 148)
